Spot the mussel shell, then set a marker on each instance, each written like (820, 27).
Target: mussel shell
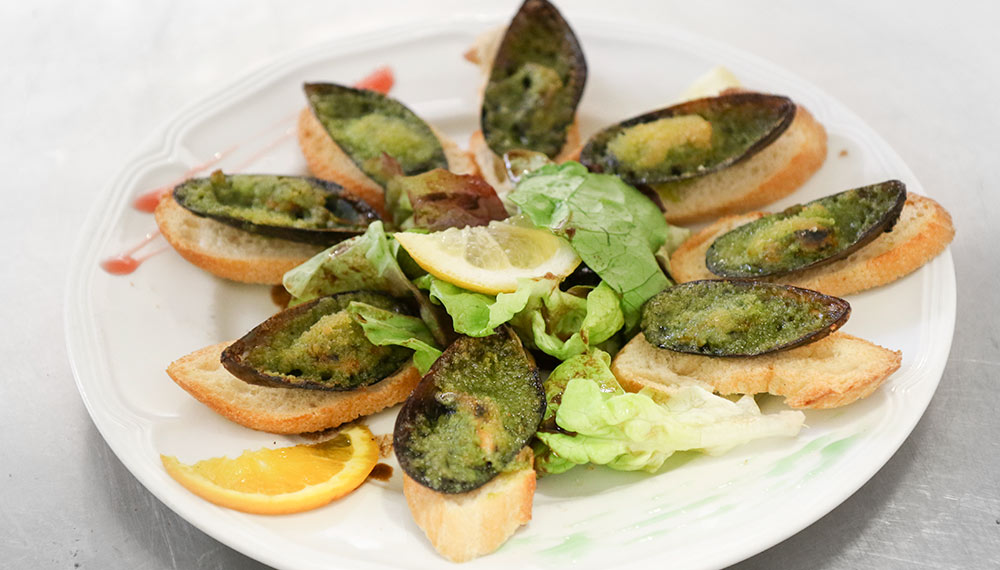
(743, 124)
(471, 414)
(331, 217)
(859, 216)
(336, 105)
(739, 318)
(344, 360)
(537, 36)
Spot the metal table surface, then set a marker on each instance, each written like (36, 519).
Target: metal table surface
(85, 82)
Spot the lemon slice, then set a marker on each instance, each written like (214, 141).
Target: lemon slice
(712, 83)
(490, 259)
(284, 480)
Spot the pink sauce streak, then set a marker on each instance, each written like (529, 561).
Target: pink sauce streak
(381, 80)
(126, 262)
(263, 152)
(147, 201)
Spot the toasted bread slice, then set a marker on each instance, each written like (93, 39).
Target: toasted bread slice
(467, 525)
(283, 410)
(328, 161)
(483, 50)
(229, 252)
(828, 373)
(924, 230)
(771, 174)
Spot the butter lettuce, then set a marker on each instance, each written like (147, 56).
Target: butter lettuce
(614, 228)
(559, 323)
(365, 262)
(476, 314)
(384, 327)
(564, 324)
(596, 421)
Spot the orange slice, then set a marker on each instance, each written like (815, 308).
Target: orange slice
(284, 480)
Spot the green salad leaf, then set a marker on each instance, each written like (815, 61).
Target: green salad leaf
(674, 238)
(384, 327)
(365, 262)
(596, 421)
(563, 324)
(557, 322)
(476, 314)
(614, 228)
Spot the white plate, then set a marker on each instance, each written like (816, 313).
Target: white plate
(700, 512)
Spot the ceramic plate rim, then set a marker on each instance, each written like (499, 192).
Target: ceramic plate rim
(88, 363)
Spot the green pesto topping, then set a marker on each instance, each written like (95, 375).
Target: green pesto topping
(650, 149)
(670, 139)
(535, 83)
(473, 413)
(739, 318)
(809, 234)
(250, 201)
(320, 345)
(366, 124)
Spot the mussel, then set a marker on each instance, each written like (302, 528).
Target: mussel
(739, 318)
(535, 83)
(471, 414)
(295, 208)
(690, 139)
(365, 124)
(317, 345)
(808, 235)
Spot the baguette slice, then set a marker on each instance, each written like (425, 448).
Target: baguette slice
(326, 160)
(468, 525)
(484, 49)
(829, 373)
(282, 410)
(229, 252)
(771, 174)
(924, 230)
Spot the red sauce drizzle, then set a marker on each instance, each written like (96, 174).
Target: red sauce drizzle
(262, 152)
(126, 262)
(381, 80)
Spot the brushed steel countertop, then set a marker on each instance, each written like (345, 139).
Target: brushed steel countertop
(86, 82)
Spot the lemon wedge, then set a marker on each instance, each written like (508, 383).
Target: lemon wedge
(283, 480)
(490, 259)
(712, 83)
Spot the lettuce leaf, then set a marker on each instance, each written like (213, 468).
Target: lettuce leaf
(563, 324)
(476, 314)
(384, 327)
(614, 228)
(674, 238)
(598, 422)
(559, 323)
(365, 262)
